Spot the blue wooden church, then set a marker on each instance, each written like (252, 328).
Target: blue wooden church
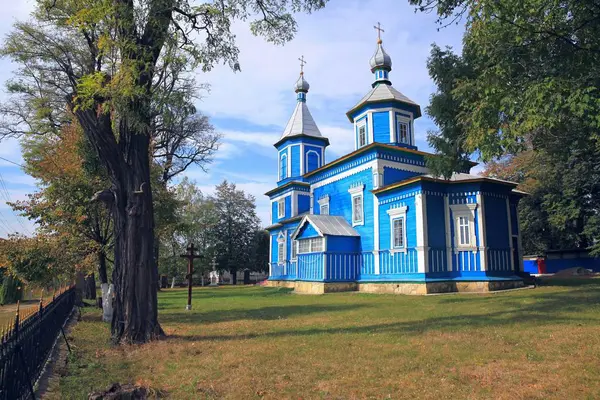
(375, 220)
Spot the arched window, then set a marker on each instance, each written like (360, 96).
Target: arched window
(283, 167)
(313, 160)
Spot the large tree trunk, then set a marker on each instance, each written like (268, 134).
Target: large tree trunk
(90, 287)
(135, 317)
(102, 274)
(233, 273)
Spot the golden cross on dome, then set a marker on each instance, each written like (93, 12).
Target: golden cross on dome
(302, 63)
(379, 30)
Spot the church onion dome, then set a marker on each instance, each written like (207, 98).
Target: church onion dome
(301, 84)
(381, 59)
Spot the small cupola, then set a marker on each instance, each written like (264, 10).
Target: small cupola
(381, 62)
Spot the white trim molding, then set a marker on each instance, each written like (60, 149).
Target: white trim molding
(324, 201)
(395, 213)
(281, 208)
(376, 233)
(357, 191)
(464, 210)
(422, 238)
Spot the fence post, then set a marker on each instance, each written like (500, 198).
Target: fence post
(19, 350)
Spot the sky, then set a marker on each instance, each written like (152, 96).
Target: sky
(251, 107)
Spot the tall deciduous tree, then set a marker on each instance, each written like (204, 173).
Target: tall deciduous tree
(235, 229)
(99, 60)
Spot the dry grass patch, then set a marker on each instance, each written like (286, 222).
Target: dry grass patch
(254, 342)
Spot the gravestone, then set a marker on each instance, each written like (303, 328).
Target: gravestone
(107, 302)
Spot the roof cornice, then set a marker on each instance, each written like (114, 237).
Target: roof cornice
(285, 186)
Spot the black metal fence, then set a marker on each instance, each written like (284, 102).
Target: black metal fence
(26, 345)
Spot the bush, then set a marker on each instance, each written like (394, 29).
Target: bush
(11, 290)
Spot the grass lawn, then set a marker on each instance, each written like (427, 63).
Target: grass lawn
(254, 342)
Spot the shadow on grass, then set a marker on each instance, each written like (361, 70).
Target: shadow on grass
(570, 282)
(171, 295)
(548, 308)
(264, 313)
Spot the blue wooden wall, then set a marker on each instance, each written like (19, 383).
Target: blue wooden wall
(340, 203)
(436, 231)
(381, 127)
(295, 150)
(393, 175)
(303, 203)
(307, 231)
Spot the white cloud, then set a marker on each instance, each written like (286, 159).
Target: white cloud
(478, 169)
(337, 43)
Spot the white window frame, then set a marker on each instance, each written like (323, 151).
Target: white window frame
(281, 208)
(395, 214)
(287, 169)
(359, 125)
(402, 124)
(311, 244)
(356, 192)
(324, 205)
(281, 248)
(294, 250)
(464, 211)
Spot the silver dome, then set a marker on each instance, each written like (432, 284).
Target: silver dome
(380, 59)
(301, 84)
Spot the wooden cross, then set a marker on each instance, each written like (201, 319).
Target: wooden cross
(379, 30)
(302, 64)
(190, 256)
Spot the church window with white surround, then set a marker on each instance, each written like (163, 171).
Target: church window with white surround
(283, 163)
(324, 205)
(397, 228)
(280, 208)
(362, 133)
(402, 131)
(464, 225)
(357, 203)
(281, 249)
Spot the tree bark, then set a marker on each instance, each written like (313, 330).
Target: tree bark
(90, 287)
(233, 273)
(102, 274)
(135, 317)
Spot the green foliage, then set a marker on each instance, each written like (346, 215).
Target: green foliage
(10, 288)
(531, 84)
(447, 70)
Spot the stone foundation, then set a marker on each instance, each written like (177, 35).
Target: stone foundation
(409, 288)
(414, 288)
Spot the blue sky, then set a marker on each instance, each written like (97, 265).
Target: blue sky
(251, 108)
